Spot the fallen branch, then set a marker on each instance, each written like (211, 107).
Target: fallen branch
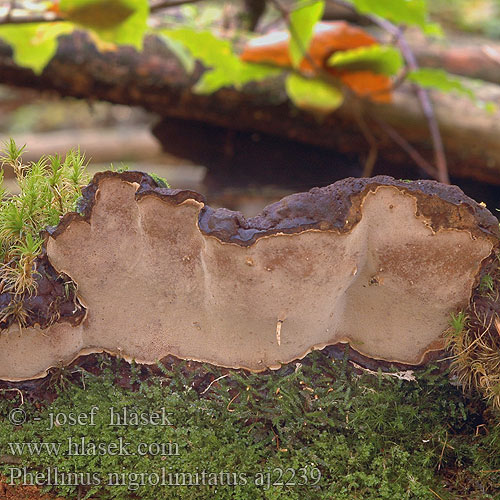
(10, 15)
(155, 80)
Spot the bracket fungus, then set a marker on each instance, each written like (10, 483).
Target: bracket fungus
(375, 262)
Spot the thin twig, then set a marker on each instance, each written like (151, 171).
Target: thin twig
(15, 390)
(402, 375)
(400, 79)
(231, 402)
(428, 109)
(438, 496)
(27, 18)
(422, 94)
(407, 147)
(213, 382)
(168, 4)
(442, 451)
(370, 139)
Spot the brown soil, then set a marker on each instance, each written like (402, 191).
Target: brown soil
(8, 492)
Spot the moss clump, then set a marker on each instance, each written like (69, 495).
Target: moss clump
(48, 189)
(474, 337)
(370, 437)
(159, 180)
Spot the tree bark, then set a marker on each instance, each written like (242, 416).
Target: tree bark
(465, 55)
(155, 80)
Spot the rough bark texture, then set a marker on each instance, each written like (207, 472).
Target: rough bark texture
(155, 80)
(466, 55)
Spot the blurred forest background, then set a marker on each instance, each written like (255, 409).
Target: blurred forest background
(251, 147)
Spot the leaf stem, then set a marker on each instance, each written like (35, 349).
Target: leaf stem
(407, 147)
(165, 4)
(19, 16)
(24, 17)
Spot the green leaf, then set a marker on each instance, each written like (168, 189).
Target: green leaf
(35, 44)
(439, 79)
(302, 20)
(237, 75)
(434, 29)
(203, 45)
(313, 93)
(489, 106)
(224, 67)
(377, 58)
(180, 51)
(410, 12)
(122, 22)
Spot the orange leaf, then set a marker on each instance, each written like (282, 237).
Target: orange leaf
(368, 84)
(268, 49)
(328, 38)
(54, 7)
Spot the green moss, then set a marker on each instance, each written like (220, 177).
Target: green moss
(122, 168)
(160, 180)
(369, 437)
(48, 189)
(487, 284)
(474, 338)
(458, 322)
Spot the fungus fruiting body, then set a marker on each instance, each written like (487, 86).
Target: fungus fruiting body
(377, 263)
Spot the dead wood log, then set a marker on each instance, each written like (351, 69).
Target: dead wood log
(155, 80)
(465, 55)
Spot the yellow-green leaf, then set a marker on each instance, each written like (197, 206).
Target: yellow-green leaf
(382, 59)
(34, 44)
(181, 52)
(122, 22)
(439, 79)
(410, 12)
(224, 67)
(313, 94)
(302, 20)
